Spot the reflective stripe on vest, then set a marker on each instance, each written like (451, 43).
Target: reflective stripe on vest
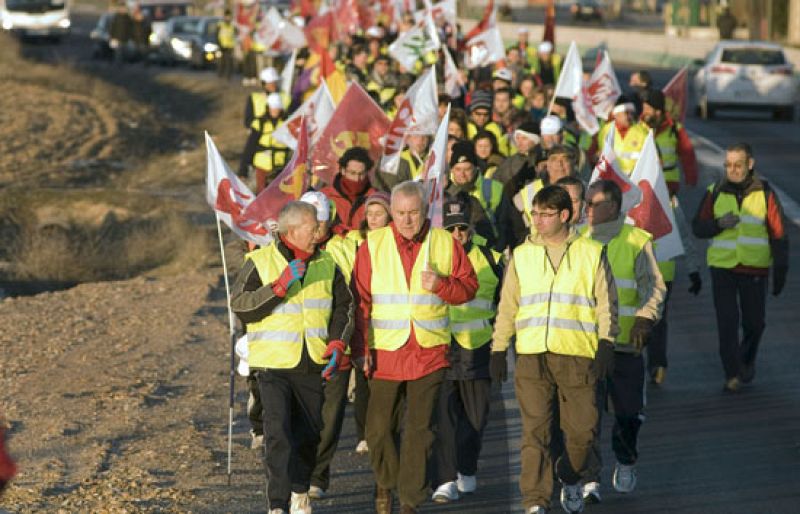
(471, 321)
(273, 156)
(628, 149)
(396, 305)
(557, 308)
(259, 101)
(667, 142)
(275, 342)
(748, 242)
(527, 193)
(623, 251)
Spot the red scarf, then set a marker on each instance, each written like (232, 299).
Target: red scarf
(298, 253)
(353, 188)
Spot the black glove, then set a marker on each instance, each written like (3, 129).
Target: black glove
(604, 359)
(498, 367)
(778, 280)
(640, 332)
(697, 283)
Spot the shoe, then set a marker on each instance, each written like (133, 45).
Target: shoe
(316, 493)
(446, 493)
(624, 479)
(466, 483)
(277, 511)
(732, 385)
(571, 498)
(383, 500)
(256, 441)
(300, 504)
(591, 493)
(536, 509)
(747, 373)
(407, 509)
(362, 448)
(658, 375)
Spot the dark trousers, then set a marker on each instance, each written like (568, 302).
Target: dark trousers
(403, 469)
(737, 295)
(539, 381)
(292, 423)
(657, 343)
(332, 419)
(254, 408)
(360, 403)
(463, 413)
(626, 390)
(225, 67)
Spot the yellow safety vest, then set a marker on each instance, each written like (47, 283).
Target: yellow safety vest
(527, 193)
(623, 250)
(628, 148)
(414, 168)
(667, 143)
(343, 250)
(274, 155)
(557, 308)
(395, 305)
(226, 35)
(748, 242)
(471, 322)
(385, 93)
(556, 61)
(489, 195)
(259, 99)
(276, 342)
(494, 128)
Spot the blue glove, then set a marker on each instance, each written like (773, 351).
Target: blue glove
(293, 272)
(333, 352)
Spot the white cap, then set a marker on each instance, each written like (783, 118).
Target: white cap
(241, 351)
(274, 101)
(269, 75)
(550, 125)
(545, 47)
(375, 32)
(528, 135)
(503, 74)
(626, 107)
(320, 201)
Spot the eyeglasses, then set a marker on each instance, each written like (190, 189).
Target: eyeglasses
(545, 215)
(590, 204)
(458, 228)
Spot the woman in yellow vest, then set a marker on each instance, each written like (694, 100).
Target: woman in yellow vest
(269, 156)
(640, 296)
(464, 400)
(298, 312)
(559, 300)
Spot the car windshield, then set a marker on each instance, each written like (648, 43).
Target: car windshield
(186, 27)
(758, 56)
(211, 28)
(163, 12)
(34, 5)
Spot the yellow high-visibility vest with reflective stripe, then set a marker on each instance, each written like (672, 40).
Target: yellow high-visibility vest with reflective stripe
(274, 155)
(471, 322)
(557, 309)
(226, 35)
(494, 128)
(276, 342)
(259, 101)
(748, 242)
(623, 250)
(343, 250)
(414, 168)
(667, 143)
(395, 305)
(628, 148)
(489, 193)
(527, 193)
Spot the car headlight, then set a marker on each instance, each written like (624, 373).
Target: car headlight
(64, 23)
(153, 38)
(210, 47)
(181, 47)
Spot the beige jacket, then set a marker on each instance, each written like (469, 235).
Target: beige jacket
(605, 293)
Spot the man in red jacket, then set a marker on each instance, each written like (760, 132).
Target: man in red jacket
(405, 276)
(351, 187)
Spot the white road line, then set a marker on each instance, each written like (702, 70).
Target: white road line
(790, 207)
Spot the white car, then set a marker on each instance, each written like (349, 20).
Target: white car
(746, 74)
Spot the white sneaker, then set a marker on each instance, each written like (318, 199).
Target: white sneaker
(536, 509)
(362, 447)
(466, 483)
(446, 493)
(256, 441)
(300, 504)
(591, 493)
(316, 493)
(624, 479)
(571, 498)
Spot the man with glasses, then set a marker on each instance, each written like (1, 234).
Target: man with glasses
(559, 300)
(466, 390)
(351, 187)
(640, 296)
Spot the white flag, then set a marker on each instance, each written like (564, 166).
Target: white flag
(446, 9)
(484, 49)
(607, 168)
(654, 213)
(319, 109)
(603, 87)
(291, 36)
(452, 78)
(418, 114)
(435, 173)
(229, 197)
(418, 41)
(287, 75)
(570, 85)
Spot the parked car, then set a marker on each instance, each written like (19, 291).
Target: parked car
(587, 10)
(100, 37)
(192, 40)
(746, 74)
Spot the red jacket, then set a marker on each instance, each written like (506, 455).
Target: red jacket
(350, 210)
(410, 361)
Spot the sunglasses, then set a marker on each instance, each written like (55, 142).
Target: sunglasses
(460, 228)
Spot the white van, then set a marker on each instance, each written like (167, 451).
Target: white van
(36, 18)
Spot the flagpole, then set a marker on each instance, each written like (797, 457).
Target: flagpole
(232, 337)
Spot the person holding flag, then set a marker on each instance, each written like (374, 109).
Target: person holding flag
(298, 311)
(628, 136)
(640, 295)
(464, 401)
(405, 276)
(559, 301)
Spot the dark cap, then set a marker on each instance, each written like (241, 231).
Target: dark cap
(481, 100)
(356, 153)
(654, 98)
(455, 213)
(463, 151)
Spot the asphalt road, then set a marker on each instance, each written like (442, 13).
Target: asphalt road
(701, 451)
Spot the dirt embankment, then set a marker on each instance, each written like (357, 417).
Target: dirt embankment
(114, 392)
